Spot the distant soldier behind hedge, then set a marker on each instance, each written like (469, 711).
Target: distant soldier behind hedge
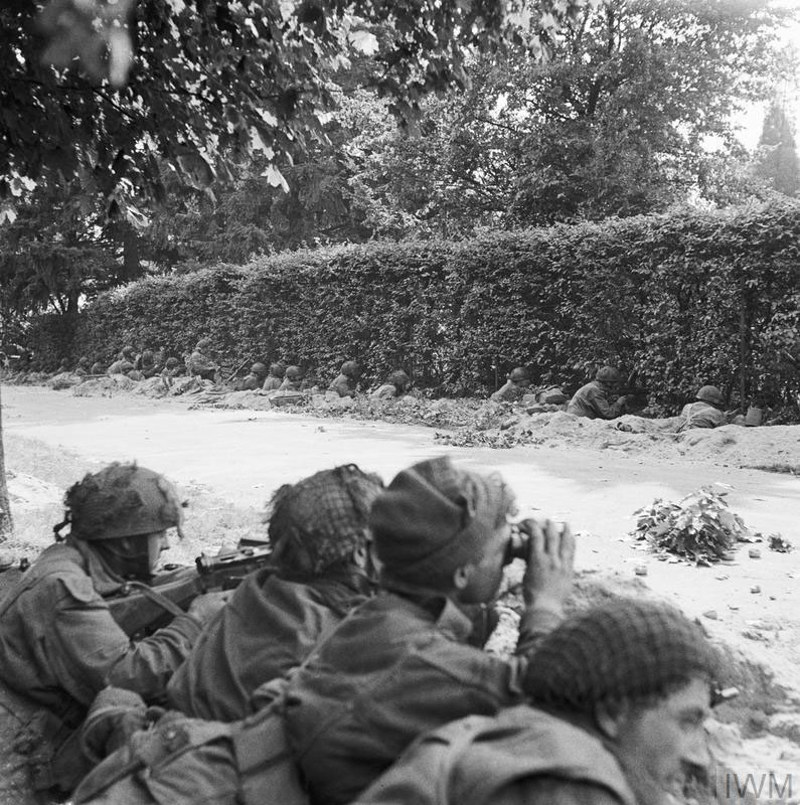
(516, 386)
(172, 369)
(65, 365)
(84, 367)
(277, 371)
(397, 384)
(124, 362)
(707, 411)
(347, 379)
(599, 399)
(200, 363)
(254, 379)
(293, 379)
(147, 365)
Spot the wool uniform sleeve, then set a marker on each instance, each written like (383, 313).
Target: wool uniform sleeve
(90, 651)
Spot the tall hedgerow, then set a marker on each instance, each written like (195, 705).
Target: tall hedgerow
(686, 299)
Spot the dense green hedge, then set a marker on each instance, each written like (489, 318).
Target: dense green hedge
(685, 298)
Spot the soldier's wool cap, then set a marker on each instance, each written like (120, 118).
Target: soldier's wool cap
(122, 500)
(322, 519)
(434, 513)
(623, 649)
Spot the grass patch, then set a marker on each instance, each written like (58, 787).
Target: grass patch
(785, 469)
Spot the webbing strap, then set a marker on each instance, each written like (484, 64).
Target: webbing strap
(148, 592)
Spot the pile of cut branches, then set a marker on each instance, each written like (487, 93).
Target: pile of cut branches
(700, 527)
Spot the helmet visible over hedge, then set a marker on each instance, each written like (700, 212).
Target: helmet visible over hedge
(258, 369)
(608, 374)
(294, 373)
(122, 500)
(519, 375)
(350, 369)
(711, 394)
(277, 369)
(399, 378)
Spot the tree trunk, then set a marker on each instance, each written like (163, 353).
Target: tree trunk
(6, 523)
(131, 267)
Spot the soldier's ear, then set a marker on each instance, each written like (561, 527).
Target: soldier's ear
(461, 577)
(610, 720)
(361, 556)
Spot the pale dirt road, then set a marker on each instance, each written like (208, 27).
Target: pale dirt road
(242, 456)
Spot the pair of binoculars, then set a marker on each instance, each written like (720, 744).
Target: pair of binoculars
(518, 546)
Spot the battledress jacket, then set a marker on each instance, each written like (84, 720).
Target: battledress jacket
(60, 645)
(510, 392)
(201, 365)
(523, 756)
(701, 414)
(592, 402)
(267, 627)
(343, 386)
(396, 667)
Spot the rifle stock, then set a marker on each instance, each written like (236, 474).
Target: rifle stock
(140, 609)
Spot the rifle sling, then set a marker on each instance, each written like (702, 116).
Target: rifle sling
(156, 597)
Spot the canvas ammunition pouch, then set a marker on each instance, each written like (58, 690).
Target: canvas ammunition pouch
(185, 759)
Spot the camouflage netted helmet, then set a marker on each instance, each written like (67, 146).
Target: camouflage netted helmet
(258, 369)
(623, 649)
(171, 363)
(608, 374)
(277, 369)
(294, 373)
(83, 361)
(128, 352)
(148, 356)
(122, 500)
(519, 375)
(350, 369)
(711, 394)
(320, 521)
(399, 378)
(203, 343)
